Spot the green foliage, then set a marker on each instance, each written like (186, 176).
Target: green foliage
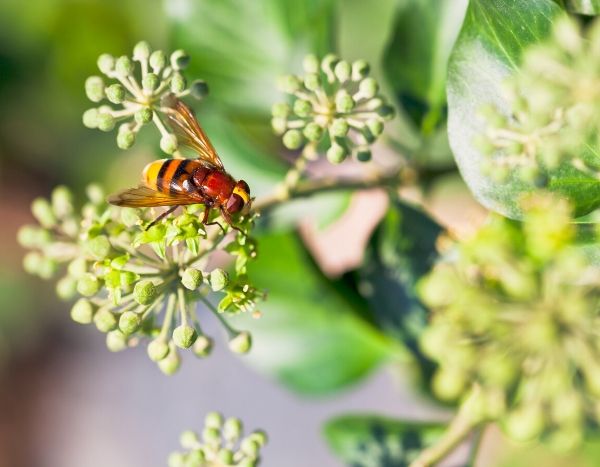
(583, 7)
(374, 441)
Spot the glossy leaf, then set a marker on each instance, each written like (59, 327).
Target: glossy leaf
(490, 46)
(373, 441)
(311, 336)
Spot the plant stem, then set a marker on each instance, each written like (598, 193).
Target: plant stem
(475, 444)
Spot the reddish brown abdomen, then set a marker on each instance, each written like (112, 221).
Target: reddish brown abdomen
(171, 175)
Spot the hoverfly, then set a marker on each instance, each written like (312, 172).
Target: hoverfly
(178, 182)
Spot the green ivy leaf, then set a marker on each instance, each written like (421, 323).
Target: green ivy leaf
(310, 336)
(493, 37)
(370, 440)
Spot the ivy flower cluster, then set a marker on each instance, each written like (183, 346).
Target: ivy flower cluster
(335, 108)
(516, 321)
(136, 85)
(554, 109)
(127, 275)
(221, 443)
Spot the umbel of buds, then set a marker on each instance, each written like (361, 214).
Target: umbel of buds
(553, 112)
(221, 444)
(335, 108)
(131, 92)
(125, 276)
(515, 326)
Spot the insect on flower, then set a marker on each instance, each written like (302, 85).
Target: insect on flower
(178, 182)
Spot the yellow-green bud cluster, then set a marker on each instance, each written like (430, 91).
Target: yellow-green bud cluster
(515, 321)
(221, 443)
(334, 108)
(136, 86)
(126, 276)
(553, 112)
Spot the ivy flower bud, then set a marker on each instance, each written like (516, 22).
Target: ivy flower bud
(116, 341)
(98, 247)
(225, 457)
(125, 137)
(105, 320)
(336, 154)
(342, 71)
(199, 89)
(90, 118)
(158, 349)
(363, 155)
(178, 83)
(189, 439)
(232, 429)
(312, 81)
(179, 60)
(343, 101)
(302, 108)
(313, 131)
(368, 88)
(82, 311)
(203, 346)
(168, 143)
(184, 336)
(129, 322)
(141, 51)
(292, 139)
(360, 70)
(289, 83)
(311, 64)
(106, 63)
(42, 211)
(339, 128)
(94, 88)
(241, 343)
(281, 109)
(213, 420)
(192, 278)
(106, 122)
(66, 288)
(144, 292)
(143, 115)
(115, 93)
(171, 363)
(62, 201)
(124, 66)
(218, 279)
(88, 285)
(157, 61)
(150, 82)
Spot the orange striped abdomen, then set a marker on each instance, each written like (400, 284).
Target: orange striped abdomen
(171, 175)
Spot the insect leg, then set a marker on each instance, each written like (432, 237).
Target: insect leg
(162, 216)
(228, 219)
(205, 218)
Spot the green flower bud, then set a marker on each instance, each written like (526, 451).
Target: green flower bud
(168, 143)
(259, 436)
(42, 211)
(33, 237)
(328, 63)
(363, 154)
(144, 115)
(105, 320)
(106, 122)
(90, 118)
(232, 429)
(197, 458)
(192, 278)
(360, 70)
(158, 60)
(313, 131)
(199, 89)
(292, 139)
(312, 81)
(150, 82)
(336, 153)
(125, 137)
(189, 439)
(176, 459)
(184, 336)
(281, 109)
(289, 84)
(82, 311)
(179, 60)
(88, 285)
(124, 66)
(339, 128)
(115, 93)
(525, 423)
(157, 350)
(448, 383)
(106, 63)
(211, 435)
(250, 447)
(129, 322)
(32, 261)
(116, 341)
(130, 217)
(311, 64)
(218, 279)
(225, 456)
(141, 51)
(375, 127)
(144, 292)
(77, 267)
(386, 112)
(178, 83)
(241, 343)
(66, 288)
(94, 88)
(248, 463)
(344, 102)
(203, 346)
(171, 363)
(98, 247)
(368, 88)
(342, 71)
(213, 420)
(95, 193)
(279, 125)
(302, 108)
(47, 268)
(62, 201)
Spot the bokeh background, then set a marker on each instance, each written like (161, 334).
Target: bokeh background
(65, 401)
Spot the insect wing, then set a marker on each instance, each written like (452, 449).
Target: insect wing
(143, 196)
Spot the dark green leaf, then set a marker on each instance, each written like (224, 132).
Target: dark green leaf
(583, 7)
(489, 48)
(373, 441)
(310, 336)
(417, 56)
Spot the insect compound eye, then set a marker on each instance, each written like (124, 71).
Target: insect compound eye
(234, 204)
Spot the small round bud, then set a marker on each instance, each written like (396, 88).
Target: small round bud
(232, 429)
(226, 456)
(129, 322)
(259, 436)
(94, 88)
(203, 346)
(188, 439)
(157, 350)
(448, 383)
(178, 83)
(279, 125)
(368, 87)
(150, 82)
(124, 66)
(213, 420)
(106, 122)
(336, 153)
(302, 108)
(42, 211)
(360, 70)
(32, 261)
(386, 112)
(179, 60)
(199, 89)
(176, 459)
(171, 363)
(311, 64)
(312, 81)
(342, 71)
(105, 320)
(32, 237)
(77, 267)
(144, 292)
(313, 131)
(82, 311)
(106, 63)
(88, 285)
(292, 139)
(90, 118)
(62, 201)
(281, 109)
(211, 435)
(184, 336)
(98, 247)
(329, 62)
(191, 278)
(158, 60)
(141, 51)
(241, 343)
(66, 288)
(525, 423)
(115, 93)
(375, 127)
(248, 463)
(168, 143)
(339, 128)
(47, 268)
(218, 279)
(344, 102)
(125, 138)
(116, 341)
(363, 155)
(95, 193)
(144, 115)
(289, 84)
(250, 447)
